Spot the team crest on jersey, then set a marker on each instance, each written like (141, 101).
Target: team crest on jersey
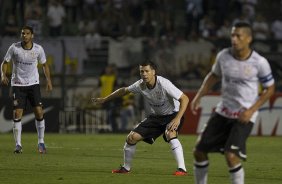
(247, 70)
(33, 55)
(158, 94)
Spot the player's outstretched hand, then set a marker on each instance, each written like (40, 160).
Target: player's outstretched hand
(98, 101)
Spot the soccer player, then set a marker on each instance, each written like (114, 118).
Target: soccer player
(165, 106)
(240, 69)
(25, 56)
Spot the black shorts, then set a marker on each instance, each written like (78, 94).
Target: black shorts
(22, 94)
(222, 134)
(153, 126)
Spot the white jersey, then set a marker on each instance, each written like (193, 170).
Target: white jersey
(162, 99)
(25, 72)
(240, 82)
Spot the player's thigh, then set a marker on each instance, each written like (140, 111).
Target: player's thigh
(150, 128)
(236, 142)
(17, 114)
(19, 97)
(214, 134)
(133, 137)
(38, 112)
(170, 134)
(34, 95)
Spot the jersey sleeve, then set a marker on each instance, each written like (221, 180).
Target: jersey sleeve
(41, 56)
(9, 54)
(135, 87)
(172, 90)
(216, 66)
(265, 74)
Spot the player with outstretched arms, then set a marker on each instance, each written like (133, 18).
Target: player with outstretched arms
(165, 106)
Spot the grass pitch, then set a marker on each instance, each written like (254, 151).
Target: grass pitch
(89, 159)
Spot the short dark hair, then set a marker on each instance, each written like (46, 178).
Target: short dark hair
(29, 28)
(244, 25)
(149, 63)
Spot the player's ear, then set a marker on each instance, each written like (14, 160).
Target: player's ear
(32, 36)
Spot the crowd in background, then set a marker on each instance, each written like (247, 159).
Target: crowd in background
(146, 18)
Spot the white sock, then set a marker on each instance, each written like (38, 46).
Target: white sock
(17, 130)
(129, 151)
(201, 172)
(177, 152)
(40, 127)
(237, 174)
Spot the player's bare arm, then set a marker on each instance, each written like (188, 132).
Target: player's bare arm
(246, 115)
(4, 78)
(173, 125)
(46, 70)
(207, 84)
(117, 93)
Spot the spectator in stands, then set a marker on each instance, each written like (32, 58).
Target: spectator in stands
(18, 10)
(224, 30)
(127, 112)
(107, 84)
(208, 29)
(56, 14)
(166, 30)
(260, 28)
(117, 26)
(276, 28)
(192, 57)
(221, 11)
(148, 25)
(87, 24)
(194, 13)
(135, 10)
(242, 18)
(249, 7)
(93, 41)
(71, 7)
(33, 16)
(11, 26)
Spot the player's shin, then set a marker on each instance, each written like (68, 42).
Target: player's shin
(237, 174)
(201, 172)
(129, 151)
(17, 131)
(177, 152)
(40, 127)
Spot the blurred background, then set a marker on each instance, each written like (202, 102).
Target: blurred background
(94, 47)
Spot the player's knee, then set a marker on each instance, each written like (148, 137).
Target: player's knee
(200, 156)
(17, 114)
(170, 135)
(133, 138)
(232, 159)
(38, 114)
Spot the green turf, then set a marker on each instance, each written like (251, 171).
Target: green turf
(89, 159)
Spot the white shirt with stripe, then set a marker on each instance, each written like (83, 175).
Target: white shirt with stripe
(25, 71)
(240, 82)
(162, 99)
